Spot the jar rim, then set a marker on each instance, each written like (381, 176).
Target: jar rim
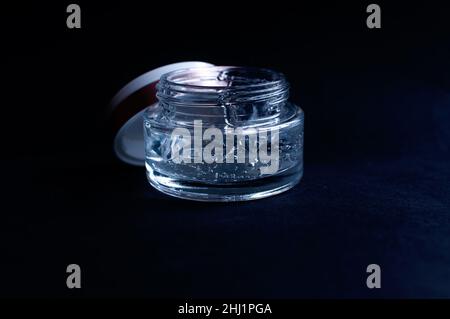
(251, 96)
(223, 78)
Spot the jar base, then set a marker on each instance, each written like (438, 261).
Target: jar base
(244, 191)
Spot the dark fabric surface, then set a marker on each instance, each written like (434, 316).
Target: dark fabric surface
(376, 185)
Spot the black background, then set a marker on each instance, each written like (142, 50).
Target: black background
(376, 186)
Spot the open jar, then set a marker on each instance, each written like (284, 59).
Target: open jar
(223, 134)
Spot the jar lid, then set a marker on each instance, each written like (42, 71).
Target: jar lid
(127, 108)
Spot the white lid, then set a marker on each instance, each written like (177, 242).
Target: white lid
(128, 106)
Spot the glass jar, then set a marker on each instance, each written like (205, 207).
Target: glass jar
(223, 134)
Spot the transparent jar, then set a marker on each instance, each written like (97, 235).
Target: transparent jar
(223, 134)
